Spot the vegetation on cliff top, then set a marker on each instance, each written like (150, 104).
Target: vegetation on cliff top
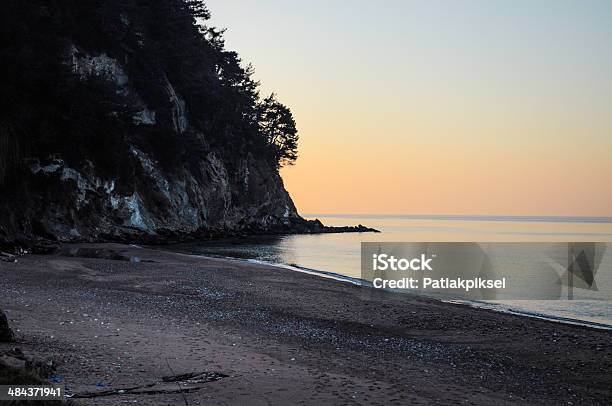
(49, 111)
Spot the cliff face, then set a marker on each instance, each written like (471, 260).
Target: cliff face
(114, 137)
(57, 201)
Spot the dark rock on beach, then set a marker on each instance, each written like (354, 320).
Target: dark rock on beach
(6, 334)
(18, 369)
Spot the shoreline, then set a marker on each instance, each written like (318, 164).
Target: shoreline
(491, 306)
(497, 307)
(116, 316)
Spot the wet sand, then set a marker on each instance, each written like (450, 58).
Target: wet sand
(253, 334)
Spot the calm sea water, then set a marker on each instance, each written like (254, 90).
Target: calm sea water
(340, 253)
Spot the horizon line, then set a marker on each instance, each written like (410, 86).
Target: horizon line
(480, 217)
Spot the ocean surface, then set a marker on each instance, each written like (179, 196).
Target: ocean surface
(339, 254)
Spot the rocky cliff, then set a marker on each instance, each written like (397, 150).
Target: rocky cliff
(55, 200)
(129, 120)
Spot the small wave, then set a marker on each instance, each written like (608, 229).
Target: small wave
(531, 314)
(324, 274)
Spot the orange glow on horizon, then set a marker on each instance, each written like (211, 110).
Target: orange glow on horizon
(438, 107)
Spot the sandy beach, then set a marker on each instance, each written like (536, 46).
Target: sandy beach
(146, 326)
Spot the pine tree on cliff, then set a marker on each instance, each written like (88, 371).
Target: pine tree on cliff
(277, 125)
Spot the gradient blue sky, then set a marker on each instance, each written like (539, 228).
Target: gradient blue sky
(461, 107)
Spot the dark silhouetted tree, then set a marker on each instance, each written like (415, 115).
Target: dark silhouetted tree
(277, 125)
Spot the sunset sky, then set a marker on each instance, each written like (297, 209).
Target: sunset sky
(438, 107)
